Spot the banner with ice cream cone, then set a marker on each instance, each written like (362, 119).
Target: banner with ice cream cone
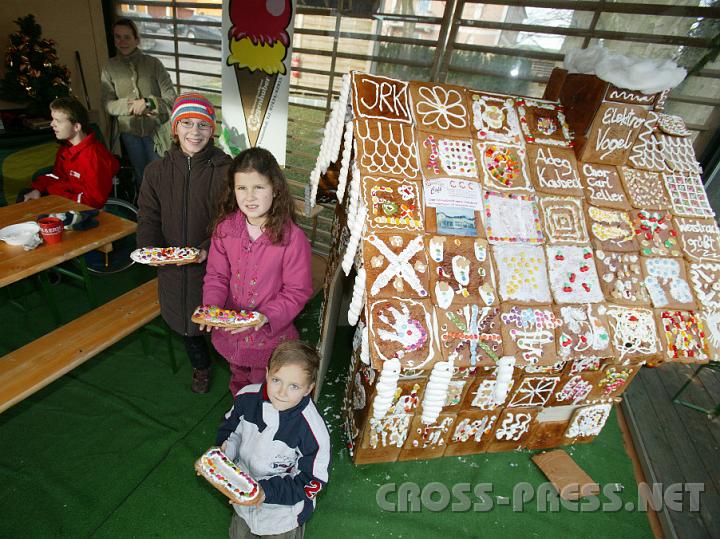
(256, 74)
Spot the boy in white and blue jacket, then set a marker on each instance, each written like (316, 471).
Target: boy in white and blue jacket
(275, 433)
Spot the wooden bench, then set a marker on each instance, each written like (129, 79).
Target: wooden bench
(37, 364)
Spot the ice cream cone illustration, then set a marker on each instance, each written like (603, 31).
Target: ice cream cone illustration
(258, 42)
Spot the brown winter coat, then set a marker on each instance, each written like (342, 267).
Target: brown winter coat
(178, 200)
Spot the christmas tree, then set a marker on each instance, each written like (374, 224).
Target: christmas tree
(32, 71)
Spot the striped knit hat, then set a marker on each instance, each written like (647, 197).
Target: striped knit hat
(192, 105)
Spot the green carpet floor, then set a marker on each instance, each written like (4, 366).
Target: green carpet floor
(108, 451)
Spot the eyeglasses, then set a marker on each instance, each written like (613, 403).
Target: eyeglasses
(189, 124)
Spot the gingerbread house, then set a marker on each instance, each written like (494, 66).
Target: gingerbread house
(516, 261)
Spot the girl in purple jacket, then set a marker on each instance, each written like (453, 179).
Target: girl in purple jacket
(259, 260)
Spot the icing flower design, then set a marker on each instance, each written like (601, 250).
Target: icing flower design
(493, 116)
(441, 108)
(546, 125)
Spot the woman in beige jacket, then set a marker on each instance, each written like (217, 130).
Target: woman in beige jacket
(138, 94)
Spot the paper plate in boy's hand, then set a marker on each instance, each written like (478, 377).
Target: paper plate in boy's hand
(165, 255)
(210, 315)
(224, 475)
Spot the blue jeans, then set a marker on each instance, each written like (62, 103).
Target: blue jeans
(141, 151)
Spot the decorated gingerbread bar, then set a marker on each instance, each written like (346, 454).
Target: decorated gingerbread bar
(543, 122)
(164, 255)
(440, 108)
(209, 315)
(495, 119)
(225, 476)
(446, 157)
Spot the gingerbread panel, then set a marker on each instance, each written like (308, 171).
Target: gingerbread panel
(529, 333)
(512, 430)
(504, 167)
(646, 153)
(588, 421)
(440, 108)
(687, 196)
(461, 271)
(683, 336)
(612, 133)
(396, 264)
(711, 322)
(554, 170)
(511, 218)
(666, 282)
(427, 441)
(679, 154)
(655, 233)
(495, 118)
(404, 329)
(548, 434)
(447, 157)
(705, 280)
(573, 277)
(393, 204)
(543, 122)
(522, 273)
(611, 229)
(533, 391)
(386, 148)
(621, 278)
(613, 381)
(633, 333)
(603, 186)
(575, 389)
(589, 363)
(583, 331)
(487, 393)
(471, 433)
(564, 219)
(470, 335)
(380, 98)
(699, 238)
(644, 189)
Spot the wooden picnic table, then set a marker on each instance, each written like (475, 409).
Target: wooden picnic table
(16, 263)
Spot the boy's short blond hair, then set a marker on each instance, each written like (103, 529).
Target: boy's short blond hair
(295, 353)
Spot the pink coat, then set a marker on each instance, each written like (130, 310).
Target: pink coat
(258, 276)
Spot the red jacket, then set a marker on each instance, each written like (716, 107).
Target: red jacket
(84, 173)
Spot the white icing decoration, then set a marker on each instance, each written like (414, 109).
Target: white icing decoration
(588, 420)
(633, 331)
(514, 426)
(398, 265)
(385, 388)
(573, 277)
(473, 429)
(705, 279)
(392, 152)
(358, 298)
(522, 273)
(345, 162)
(534, 391)
(356, 230)
(440, 108)
(436, 391)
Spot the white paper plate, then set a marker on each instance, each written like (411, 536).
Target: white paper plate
(20, 233)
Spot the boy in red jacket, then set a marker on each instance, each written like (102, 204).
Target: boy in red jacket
(84, 168)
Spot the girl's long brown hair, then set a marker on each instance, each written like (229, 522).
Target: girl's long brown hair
(282, 210)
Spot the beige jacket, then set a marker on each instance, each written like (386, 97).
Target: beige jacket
(133, 77)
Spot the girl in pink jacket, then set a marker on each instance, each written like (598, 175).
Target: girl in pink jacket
(259, 260)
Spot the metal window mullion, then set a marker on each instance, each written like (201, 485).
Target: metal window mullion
(505, 51)
(333, 62)
(446, 39)
(589, 33)
(368, 37)
(629, 8)
(488, 73)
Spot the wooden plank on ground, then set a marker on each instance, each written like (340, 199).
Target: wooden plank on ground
(35, 365)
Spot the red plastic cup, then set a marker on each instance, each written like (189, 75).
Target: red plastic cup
(51, 229)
